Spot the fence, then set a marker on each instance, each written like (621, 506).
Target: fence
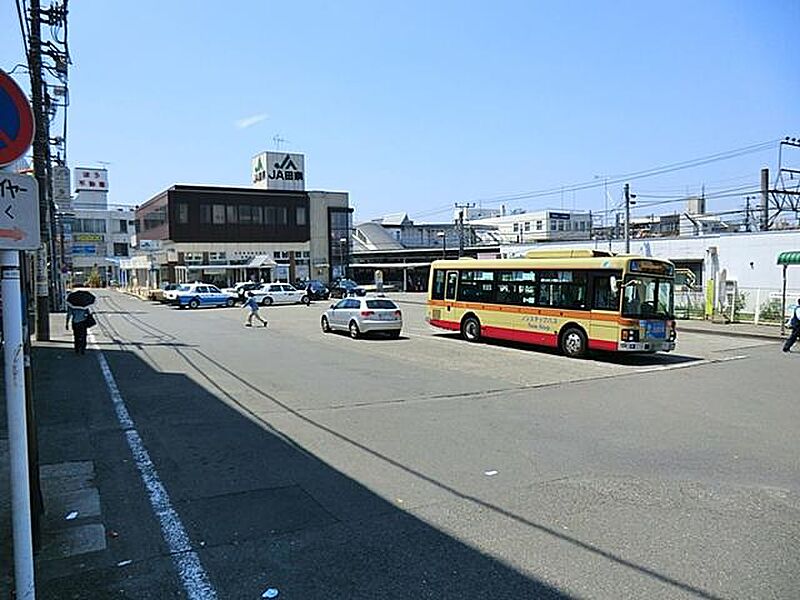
(750, 305)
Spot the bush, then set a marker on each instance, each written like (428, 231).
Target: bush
(94, 280)
(771, 311)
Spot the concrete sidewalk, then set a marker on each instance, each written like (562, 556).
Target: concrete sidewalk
(744, 330)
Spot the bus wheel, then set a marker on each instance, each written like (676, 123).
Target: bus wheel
(471, 329)
(573, 342)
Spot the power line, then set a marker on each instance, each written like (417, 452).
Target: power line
(595, 183)
(22, 30)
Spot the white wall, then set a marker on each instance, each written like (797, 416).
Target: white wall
(735, 251)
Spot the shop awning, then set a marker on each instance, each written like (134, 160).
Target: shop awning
(789, 258)
(262, 261)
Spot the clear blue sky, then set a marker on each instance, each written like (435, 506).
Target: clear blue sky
(412, 106)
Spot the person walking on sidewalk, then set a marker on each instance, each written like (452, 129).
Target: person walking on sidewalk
(80, 321)
(252, 304)
(795, 325)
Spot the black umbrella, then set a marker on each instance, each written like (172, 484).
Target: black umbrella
(80, 299)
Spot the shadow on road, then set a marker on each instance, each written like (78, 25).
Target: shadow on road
(260, 510)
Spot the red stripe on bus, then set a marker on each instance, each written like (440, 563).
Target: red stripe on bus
(603, 345)
(520, 335)
(452, 325)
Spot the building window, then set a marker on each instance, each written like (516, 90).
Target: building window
(193, 258)
(245, 214)
(122, 226)
(231, 216)
(257, 213)
(516, 227)
(561, 225)
(218, 214)
(527, 226)
(301, 215)
(217, 258)
(120, 249)
(269, 215)
(205, 214)
(552, 225)
(538, 225)
(89, 225)
(183, 213)
(283, 215)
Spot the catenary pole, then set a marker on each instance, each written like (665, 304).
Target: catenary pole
(40, 153)
(627, 218)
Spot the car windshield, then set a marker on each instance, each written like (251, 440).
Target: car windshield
(183, 288)
(348, 283)
(381, 304)
(647, 297)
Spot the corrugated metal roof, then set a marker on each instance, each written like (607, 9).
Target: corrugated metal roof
(789, 258)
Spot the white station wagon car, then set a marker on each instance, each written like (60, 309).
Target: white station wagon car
(280, 293)
(363, 315)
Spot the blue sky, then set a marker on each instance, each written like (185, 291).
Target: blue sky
(414, 106)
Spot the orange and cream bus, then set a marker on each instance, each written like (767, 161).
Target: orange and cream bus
(574, 300)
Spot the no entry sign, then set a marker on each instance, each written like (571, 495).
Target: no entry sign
(16, 121)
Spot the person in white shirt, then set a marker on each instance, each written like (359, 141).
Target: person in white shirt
(795, 323)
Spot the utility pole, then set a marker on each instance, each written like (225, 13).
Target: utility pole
(764, 199)
(627, 218)
(41, 143)
(461, 208)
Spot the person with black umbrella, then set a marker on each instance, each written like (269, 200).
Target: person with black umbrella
(78, 304)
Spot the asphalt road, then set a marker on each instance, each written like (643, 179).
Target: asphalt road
(426, 467)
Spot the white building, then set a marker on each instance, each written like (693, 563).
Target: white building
(97, 235)
(540, 226)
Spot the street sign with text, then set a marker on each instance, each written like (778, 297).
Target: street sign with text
(16, 121)
(19, 212)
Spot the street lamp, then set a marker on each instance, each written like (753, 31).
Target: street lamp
(443, 234)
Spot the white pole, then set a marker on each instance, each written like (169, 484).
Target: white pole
(17, 427)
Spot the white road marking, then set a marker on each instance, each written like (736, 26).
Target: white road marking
(190, 571)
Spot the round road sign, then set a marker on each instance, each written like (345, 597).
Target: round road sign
(16, 121)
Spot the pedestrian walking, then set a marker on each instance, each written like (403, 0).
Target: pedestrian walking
(81, 319)
(794, 323)
(252, 304)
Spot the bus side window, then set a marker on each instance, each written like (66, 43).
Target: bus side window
(437, 292)
(606, 296)
(452, 279)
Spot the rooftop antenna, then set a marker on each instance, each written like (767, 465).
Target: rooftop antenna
(278, 141)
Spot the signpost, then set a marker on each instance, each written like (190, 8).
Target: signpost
(19, 230)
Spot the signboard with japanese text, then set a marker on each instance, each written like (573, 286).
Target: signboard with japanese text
(19, 212)
(62, 194)
(279, 171)
(94, 180)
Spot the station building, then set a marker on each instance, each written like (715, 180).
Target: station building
(274, 230)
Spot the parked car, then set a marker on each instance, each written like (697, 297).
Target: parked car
(196, 295)
(170, 295)
(241, 288)
(346, 287)
(317, 290)
(161, 294)
(363, 315)
(280, 293)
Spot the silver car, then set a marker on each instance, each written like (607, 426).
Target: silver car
(363, 315)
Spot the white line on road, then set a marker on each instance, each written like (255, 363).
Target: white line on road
(190, 571)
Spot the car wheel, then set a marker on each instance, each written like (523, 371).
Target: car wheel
(194, 303)
(471, 329)
(230, 302)
(326, 327)
(355, 332)
(267, 301)
(573, 342)
(305, 300)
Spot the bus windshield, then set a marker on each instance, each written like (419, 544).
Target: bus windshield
(647, 297)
